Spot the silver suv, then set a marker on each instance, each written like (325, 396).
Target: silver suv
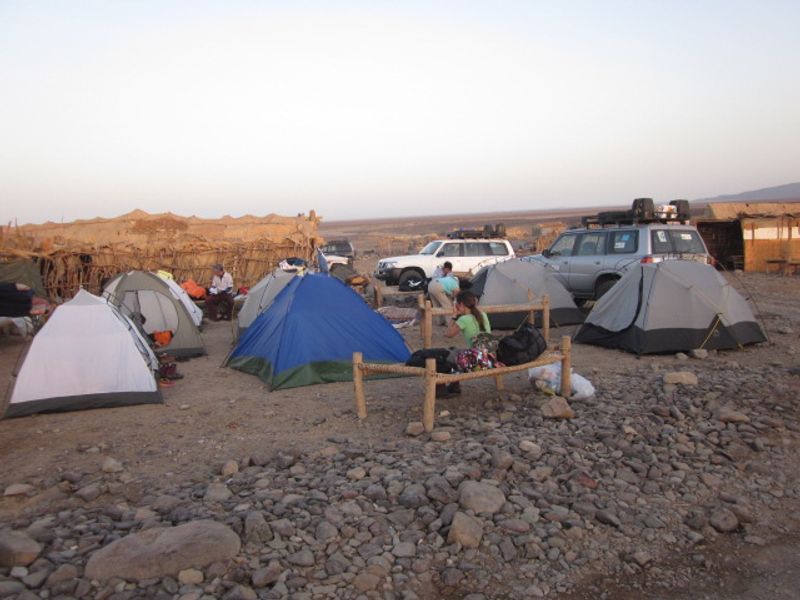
(589, 260)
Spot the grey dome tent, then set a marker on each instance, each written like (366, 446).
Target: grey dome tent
(141, 293)
(261, 295)
(671, 306)
(508, 282)
(87, 355)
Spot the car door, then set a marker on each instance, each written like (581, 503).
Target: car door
(622, 250)
(559, 256)
(453, 252)
(587, 261)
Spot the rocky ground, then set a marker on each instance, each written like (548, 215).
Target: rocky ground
(679, 479)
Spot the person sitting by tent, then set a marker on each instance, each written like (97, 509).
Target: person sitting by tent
(443, 289)
(468, 319)
(219, 300)
(18, 300)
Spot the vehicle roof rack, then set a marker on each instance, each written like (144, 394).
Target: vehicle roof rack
(487, 233)
(643, 211)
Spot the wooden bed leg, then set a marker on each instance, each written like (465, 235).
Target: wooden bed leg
(566, 367)
(498, 382)
(358, 385)
(429, 408)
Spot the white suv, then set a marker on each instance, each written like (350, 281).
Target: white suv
(466, 255)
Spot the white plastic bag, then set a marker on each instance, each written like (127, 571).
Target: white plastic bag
(548, 380)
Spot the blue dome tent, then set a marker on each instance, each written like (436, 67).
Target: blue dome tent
(309, 335)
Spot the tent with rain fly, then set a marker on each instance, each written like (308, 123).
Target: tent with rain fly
(310, 332)
(671, 306)
(142, 293)
(87, 355)
(508, 282)
(260, 297)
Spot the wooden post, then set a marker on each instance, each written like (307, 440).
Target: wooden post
(498, 383)
(421, 308)
(358, 385)
(427, 342)
(376, 286)
(429, 408)
(546, 318)
(566, 367)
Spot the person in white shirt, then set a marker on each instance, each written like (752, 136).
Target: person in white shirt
(219, 300)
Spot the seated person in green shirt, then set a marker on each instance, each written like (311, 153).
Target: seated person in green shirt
(468, 320)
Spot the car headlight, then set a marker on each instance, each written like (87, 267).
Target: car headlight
(384, 266)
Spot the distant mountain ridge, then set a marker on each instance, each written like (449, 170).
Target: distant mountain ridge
(789, 191)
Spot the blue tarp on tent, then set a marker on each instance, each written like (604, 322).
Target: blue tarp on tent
(309, 335)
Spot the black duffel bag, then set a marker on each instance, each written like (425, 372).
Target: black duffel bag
(443, 358)
(524, 345)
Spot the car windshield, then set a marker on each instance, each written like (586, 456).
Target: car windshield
(430, 248)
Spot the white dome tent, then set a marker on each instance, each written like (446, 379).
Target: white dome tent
(87, 355)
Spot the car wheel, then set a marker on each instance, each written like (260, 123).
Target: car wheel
(411, 280)
(603, 287)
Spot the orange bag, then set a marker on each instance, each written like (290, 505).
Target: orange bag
(195, 291)
(162, 338)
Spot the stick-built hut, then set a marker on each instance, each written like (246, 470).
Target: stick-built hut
(84, 253)
(753, 236)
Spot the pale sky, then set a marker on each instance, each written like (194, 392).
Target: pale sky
(378, 109)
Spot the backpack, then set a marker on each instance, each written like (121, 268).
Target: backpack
(442, 356)
(475, 359)
(524, 345)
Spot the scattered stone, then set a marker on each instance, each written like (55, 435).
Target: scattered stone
(231, 467)
(111, 465)
(61, 574)
(190, 577)
(19, 489)
(17, 549)
(723, 520)
(729, 415)
(557, 408)
(680, 378)
(607, 518)
(217, 492)
(159, 552)
(89, 492)
(699, 353)
(415, 428)
(466, 530)
(356, 474)
(681, 356)
(266, 575)
(303, 558)
(480, 497)
(441, 436)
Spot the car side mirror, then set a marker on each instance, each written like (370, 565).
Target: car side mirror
(546, 253)
(440, 253)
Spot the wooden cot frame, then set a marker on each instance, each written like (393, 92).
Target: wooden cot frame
(431, 378)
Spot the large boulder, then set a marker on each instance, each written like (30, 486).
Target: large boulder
(158, 552)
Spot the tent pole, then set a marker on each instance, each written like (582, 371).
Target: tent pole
(545, 318)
